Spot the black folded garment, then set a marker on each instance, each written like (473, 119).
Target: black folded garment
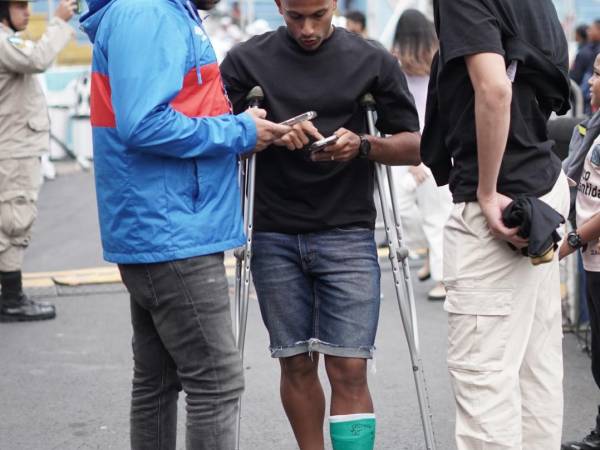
(538, 222)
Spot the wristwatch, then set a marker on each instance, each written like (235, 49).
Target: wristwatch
(364, 147)
(574, 240)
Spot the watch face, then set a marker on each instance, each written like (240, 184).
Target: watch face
(573, 240)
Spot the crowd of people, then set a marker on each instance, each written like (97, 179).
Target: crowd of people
(462, 104)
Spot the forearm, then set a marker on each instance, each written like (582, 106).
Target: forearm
(492, 120)
(397, 149)
(57, 36)
(168, 133)
(590, 231)
(493, 95)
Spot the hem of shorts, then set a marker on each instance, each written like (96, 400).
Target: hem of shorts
(324, 348)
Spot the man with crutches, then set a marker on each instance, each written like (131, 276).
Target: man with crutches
(314, 259)
(500, 72)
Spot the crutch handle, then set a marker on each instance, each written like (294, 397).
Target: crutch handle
(239, 253)
(403, 253)
(255, 97)
(367, 101)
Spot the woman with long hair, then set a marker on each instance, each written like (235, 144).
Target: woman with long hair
(421, 200)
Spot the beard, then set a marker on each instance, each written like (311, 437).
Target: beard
(205, 5)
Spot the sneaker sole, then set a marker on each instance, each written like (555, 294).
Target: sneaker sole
(8, 319)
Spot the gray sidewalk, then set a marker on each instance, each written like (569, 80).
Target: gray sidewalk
(64, 384)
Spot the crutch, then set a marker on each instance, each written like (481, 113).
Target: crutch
(398, 254)
(247, 170)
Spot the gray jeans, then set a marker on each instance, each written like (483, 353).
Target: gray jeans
(182, 337)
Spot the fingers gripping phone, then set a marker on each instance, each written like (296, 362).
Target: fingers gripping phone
(309, 115)
(320, 145)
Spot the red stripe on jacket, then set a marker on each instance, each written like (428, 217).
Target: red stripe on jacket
(202, 100)
(101, 110)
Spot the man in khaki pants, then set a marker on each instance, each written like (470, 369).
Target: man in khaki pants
(501, 71)
(24, 136)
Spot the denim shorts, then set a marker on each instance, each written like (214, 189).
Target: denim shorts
(318, 291)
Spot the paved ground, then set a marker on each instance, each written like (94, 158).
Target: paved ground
(64, 384)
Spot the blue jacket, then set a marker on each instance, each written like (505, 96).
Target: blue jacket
(165, 141)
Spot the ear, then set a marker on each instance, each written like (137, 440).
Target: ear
(278, 3)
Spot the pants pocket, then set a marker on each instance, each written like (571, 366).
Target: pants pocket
(478, 328)
(16, 218)
(137, 280)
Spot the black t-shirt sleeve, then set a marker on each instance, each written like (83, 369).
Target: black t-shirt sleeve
(396, 110)
(236, 83)
(468, 27)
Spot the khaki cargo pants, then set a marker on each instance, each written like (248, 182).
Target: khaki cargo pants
(504, 336)
(20, 182)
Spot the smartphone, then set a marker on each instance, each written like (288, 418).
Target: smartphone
(319, 145)
(301, 118)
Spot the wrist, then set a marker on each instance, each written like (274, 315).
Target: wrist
(485, 194)
(364, 147)
(574, 240)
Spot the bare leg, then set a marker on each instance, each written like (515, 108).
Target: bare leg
(349, 389)
(303, 399)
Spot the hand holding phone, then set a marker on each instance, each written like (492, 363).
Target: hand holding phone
(65, 9)
(320, 145)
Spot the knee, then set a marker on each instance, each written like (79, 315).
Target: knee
(299, 369)
(349, 374)
(17, 215)
(150, 384)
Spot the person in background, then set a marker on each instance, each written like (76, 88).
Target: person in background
(24, 137)
(586, 237)
(415, 43)
(356, 22)
(581, 35)
(583, 66)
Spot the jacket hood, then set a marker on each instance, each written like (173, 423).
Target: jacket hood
(90, 21)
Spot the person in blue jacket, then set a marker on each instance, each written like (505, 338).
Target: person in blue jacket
(166, 147)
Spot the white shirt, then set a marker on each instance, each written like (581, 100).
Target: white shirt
(588, 203)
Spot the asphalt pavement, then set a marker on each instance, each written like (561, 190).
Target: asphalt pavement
(64, 384)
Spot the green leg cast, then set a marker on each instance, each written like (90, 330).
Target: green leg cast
(352, 432)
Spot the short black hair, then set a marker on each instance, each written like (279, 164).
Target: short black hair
(4, 11)
(581, 30)
(357, 16)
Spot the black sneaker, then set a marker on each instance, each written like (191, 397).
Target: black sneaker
(24, 310)
(590, 442)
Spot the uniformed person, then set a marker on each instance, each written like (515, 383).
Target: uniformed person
(24, 136)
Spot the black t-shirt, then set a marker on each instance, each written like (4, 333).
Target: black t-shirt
(467, 27)
(293, 193)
